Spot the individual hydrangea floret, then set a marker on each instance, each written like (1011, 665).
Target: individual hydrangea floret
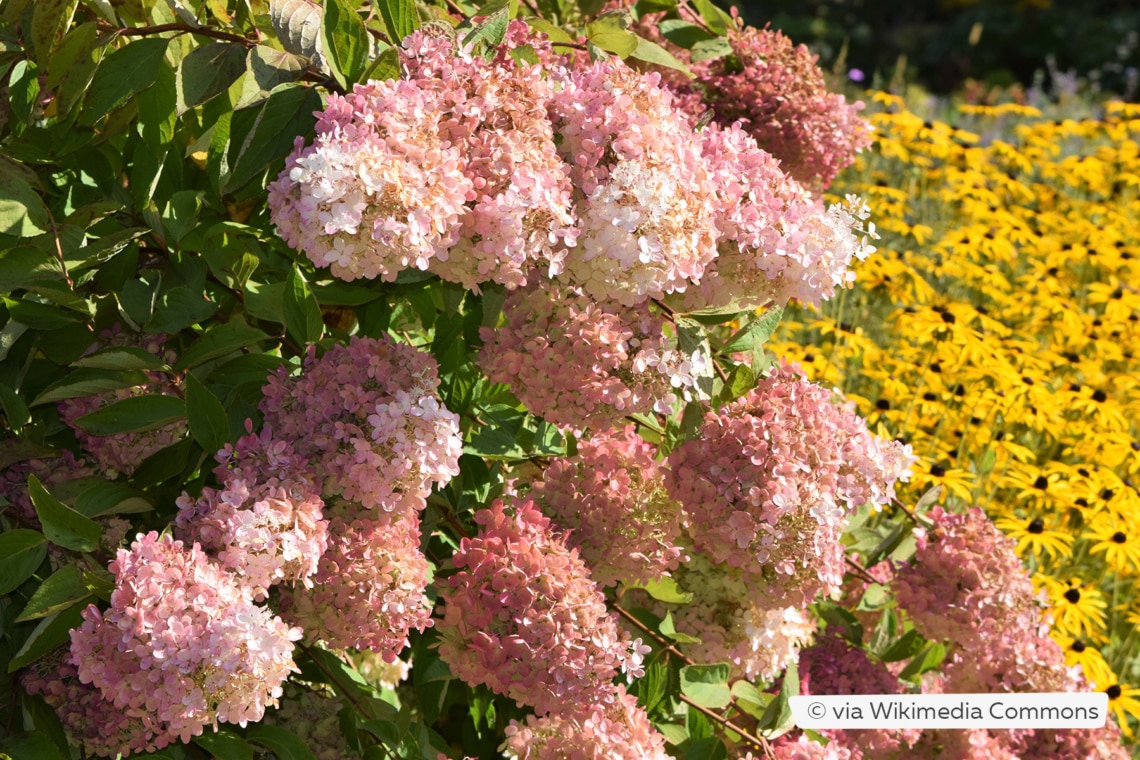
(368, 592)
(614, 729)
(523, 617)
(368, 415)
(769, 483)
(121, 453)
(644, 196)
(776, 240)
(265, 526)
(612, 498)
(182, 645)
(89, 719)
(583, 364)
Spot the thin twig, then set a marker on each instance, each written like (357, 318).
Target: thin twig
(661, 640)
(860, 570)
(59, 248)
(204, 31)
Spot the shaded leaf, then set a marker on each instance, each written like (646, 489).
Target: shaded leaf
(281, 742)
(225, 745)
(134, 415)
(218, 341)
(122, 73)
(21, 552)
(88, 381)
(62, 525)
(301, 310)
(208, 71)
(205, 416)
(63, 588)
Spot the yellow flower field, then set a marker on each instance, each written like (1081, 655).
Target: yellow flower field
(997, 331)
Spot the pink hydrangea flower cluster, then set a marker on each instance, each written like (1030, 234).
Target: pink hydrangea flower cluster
(612, 498)
(768, 485)
(734, 623)
(777, 91)
(452, 169)
(583, 364)
(614, 729)
(800, 747)
(777, 240)
(967, 584)
(368, 415)
(832, 666)
(368, 592)
(266, 523)
(647, 199)
(123, 452)
(496, 170)
(91, 722)
(523, 617)
(182, 645)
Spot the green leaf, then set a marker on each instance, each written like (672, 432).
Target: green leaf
(280, 742)
(52, 631)
(777, 719)
(707, 50)
(716, 19)
(102, 497)
(707, 748)
(750, 699)
(707, 685)
(385, 66)
(555, 33)
(15, 409)
(491, 30)
(64, 588)
(134, 415)
(739, 382)
(609, 33)
(122, 358)
(267, 68)
(205, 416)
(21, 552)
(264, 133)
(50, 19)
(665, 589)
(35, 746)
(841, 621)
(651, 52)
(400, 18)
(178, 308)
(38, 316)
(345, 41)
(13, 450)
(219, 341)
(756, 333)
(668, 629)
(683, 34)
(62, 525)
(225, 745)
(302, 312)
(22, 211)
(89, 381)
(928, 658)
(208, 71)
(121, 74)
(905, 646)
(25, 264)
